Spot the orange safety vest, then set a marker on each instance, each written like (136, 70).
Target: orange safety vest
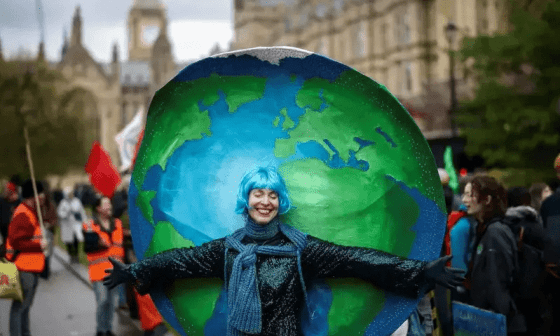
(99, 261)
(26, 261)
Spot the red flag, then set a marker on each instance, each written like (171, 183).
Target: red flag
(102, 173)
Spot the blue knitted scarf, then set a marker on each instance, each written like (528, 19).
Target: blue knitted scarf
(244, 303)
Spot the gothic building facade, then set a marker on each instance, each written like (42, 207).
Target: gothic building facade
(116, 91)
(399, 43)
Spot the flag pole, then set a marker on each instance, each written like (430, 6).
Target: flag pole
(30, 161)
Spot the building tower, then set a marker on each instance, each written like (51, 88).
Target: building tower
(146, 20)
(163, 65)
(76, 37)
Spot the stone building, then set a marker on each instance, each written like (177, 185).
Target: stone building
(399, 43)
(116, 91)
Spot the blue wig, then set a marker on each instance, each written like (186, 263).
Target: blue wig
(262, 178)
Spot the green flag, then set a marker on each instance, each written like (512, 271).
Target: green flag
(450, 169)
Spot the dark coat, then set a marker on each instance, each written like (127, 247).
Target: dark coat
(493, 271)
(279, 286)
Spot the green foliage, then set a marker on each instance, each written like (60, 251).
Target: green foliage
(28, 97)
(514, 121)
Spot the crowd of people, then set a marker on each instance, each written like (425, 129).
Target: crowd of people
(507, 242)
(505, 239)
(28, 241)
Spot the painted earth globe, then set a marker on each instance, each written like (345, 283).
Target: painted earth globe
(358, 170)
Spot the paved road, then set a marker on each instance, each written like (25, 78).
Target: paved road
(65, 305)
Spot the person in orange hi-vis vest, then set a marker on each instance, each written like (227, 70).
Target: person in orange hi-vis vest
(109, 244)
(25, 247)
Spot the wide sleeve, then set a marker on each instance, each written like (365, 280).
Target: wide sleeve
(205, 261)
(321, 259)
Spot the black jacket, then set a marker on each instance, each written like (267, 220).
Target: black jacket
(494, 265)
(280, 289)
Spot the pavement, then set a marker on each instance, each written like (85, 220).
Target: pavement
(65, 304)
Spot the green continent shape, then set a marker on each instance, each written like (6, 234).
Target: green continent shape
(352, 104)
(165, 238)
(175, 115)
(355, 304)
(288, 122)
(193, 299)
(143, 203)
(332, 204)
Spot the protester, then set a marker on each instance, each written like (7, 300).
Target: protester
(539, 192)
(462, 228)
(8, 203)
(550, 214)
(109, 232)
(494, 257)
(526, 225)
(71, 215)
(24, 247)
(265, 247)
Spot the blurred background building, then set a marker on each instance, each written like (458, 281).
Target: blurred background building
(402, 44)
(118, 90)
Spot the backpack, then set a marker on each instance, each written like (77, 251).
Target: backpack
(452, 219)
(525, 224)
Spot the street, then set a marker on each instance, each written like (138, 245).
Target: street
(65, 305)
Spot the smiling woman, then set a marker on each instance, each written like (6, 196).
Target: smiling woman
(268, 265)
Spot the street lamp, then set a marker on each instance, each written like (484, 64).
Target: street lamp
(451, 35)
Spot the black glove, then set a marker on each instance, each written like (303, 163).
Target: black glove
(437, 273)
(118, 275)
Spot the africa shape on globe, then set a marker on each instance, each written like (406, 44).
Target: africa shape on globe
(358, 170)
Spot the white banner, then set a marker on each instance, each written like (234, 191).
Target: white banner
(128, 138)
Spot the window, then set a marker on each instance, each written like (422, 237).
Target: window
(405, 78)
(360, 38)
(321, 10)
(408, 77)
(402, 28)
(322, 46)
(384, 39)
(338, 6)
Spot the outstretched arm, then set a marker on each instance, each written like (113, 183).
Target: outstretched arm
(390, 272)
(202, 261)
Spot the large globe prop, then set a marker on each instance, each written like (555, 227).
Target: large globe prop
(357, 168)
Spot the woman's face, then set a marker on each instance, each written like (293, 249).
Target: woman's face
(263, 205)
(105, 208)
(471, 201)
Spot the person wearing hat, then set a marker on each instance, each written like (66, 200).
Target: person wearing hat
(25, 247)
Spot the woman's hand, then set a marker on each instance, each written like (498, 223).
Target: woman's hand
(118, 275)
(436, 272)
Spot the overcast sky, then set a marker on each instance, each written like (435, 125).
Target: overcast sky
(194, 26)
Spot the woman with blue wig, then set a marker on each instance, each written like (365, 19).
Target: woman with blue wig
(267, 264)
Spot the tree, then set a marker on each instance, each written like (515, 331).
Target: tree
(513, 120)
(28, 98)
